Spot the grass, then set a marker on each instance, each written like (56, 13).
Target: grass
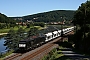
(7, 29)
(53, 55)
(39, 28)
(4, 30)
(16, 28)
(5, 54)
(27, 29)
(58, 55)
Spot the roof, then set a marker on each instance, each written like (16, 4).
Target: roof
(55, 32)
(59, 30)
(48, 34)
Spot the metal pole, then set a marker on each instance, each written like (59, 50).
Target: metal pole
(62, 27)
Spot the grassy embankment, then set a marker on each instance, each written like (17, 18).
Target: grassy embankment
(56, 54)
(5, 54)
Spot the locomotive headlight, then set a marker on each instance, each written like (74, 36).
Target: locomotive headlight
(22, 45)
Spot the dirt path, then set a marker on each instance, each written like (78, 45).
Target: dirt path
(3, 33)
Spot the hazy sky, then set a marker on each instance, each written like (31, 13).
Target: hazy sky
(28, 7)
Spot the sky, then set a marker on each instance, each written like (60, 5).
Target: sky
(17, 8)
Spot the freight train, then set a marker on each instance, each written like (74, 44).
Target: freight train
(34, 41)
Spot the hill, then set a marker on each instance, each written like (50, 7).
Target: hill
(5, 19)
(51, 16)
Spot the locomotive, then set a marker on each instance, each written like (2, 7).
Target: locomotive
(34, 41)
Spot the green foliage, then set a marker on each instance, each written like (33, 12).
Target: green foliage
(6, 22)
(50, 16)
(30, 25)
(5, 19)
(13, 37)
(9, 39)
(32, 31)
(39, 24)
(82, 21)
(6, 54)
(51, 55)
(2, 26)
(82, 15)
(56, 54)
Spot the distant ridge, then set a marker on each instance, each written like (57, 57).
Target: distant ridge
(50, 16)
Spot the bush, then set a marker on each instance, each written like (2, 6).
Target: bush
(51, 55)
(39, 24)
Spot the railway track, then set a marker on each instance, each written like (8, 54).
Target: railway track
(31, 56)
(13, 56)
(37, 54)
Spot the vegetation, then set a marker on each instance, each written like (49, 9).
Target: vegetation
(15, 28)
(39, 24)
(32, 31)
(13, 37)
(6, 22)
(5, 19)
(56, 54)
(51, 55)
(51, 16)
(5, 54)
(36, 19)
(82, 22)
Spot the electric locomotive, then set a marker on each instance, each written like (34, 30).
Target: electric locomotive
(31, 42)
(34, 41)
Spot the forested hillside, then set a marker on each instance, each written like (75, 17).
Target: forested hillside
(6, 22)
(56, 15)
(51, 16)
(5, 19)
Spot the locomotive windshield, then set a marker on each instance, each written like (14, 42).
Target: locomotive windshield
(22, 45)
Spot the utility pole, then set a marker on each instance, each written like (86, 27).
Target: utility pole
(62, 27)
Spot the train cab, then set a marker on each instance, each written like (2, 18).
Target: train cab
(25, 44)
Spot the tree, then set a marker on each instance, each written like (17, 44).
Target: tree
(39, 24)
(5, 19)
(82, 15)
(2, 26)
(51, 16)
(29, 25)
(32, 31)
(13, 38)
(82, 19)
(19, 36)
(9, 39)
(20, 33)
